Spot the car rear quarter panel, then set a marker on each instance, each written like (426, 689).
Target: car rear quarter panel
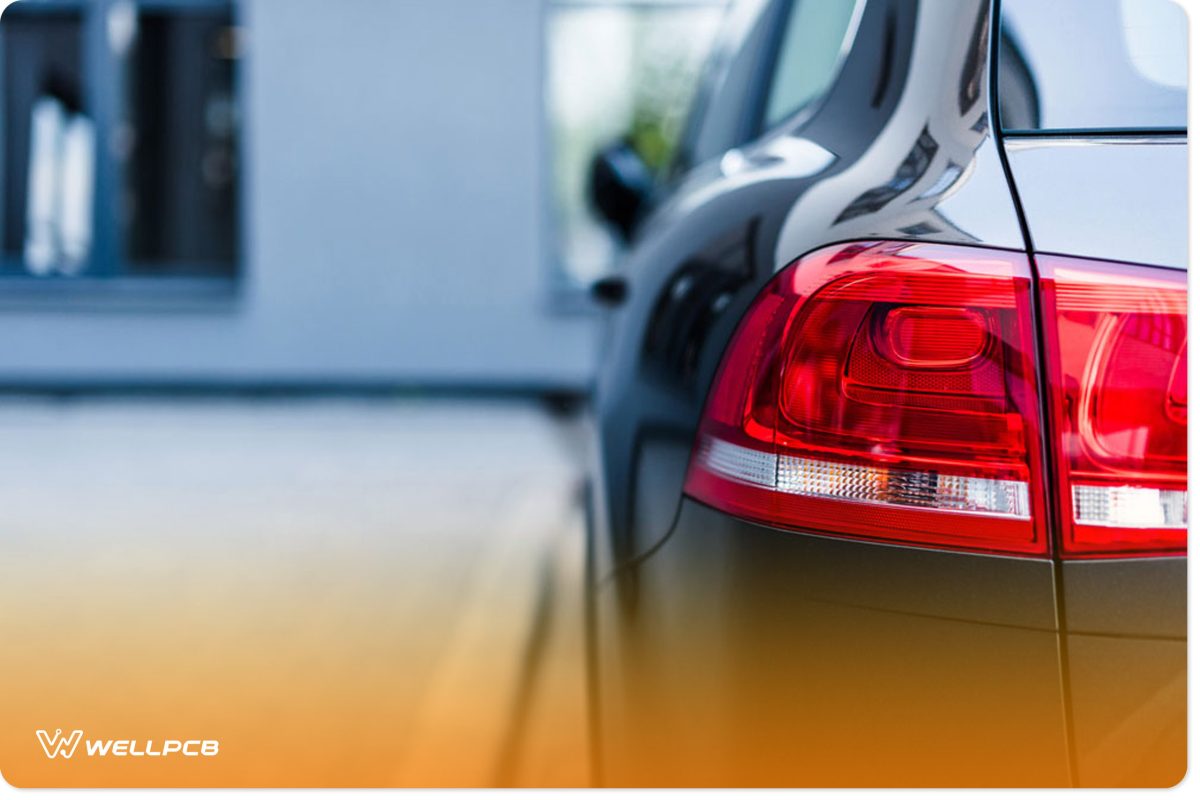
(1121, 198)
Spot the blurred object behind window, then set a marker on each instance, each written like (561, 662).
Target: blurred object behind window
(58, 219)
(48, 143)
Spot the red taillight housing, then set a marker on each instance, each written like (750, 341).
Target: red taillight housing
(884, 391)
(888, 391)
(1116, 338)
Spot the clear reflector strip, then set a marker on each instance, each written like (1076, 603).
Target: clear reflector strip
(1129, 506)
(837, 481)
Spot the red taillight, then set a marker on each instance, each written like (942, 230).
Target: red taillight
(887, 391)
(883, 391)
(1117, 367)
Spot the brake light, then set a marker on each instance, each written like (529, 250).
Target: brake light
(1117, 364)
(883, 391)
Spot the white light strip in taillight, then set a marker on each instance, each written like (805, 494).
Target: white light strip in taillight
(860, 484)
(1129, 506)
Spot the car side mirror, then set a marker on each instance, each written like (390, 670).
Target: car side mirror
(619, 184)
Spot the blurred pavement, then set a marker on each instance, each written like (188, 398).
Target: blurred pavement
(380, 590)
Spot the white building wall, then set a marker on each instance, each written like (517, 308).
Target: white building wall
(394, 217)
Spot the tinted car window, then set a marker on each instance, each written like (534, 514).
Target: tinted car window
(1093, 65)
(814, 39)
(715, 121)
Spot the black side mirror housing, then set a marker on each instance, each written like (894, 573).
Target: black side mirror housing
(619, 185)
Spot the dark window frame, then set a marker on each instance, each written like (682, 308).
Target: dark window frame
(108, 275)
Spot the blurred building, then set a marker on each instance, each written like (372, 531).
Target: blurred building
(304, 192)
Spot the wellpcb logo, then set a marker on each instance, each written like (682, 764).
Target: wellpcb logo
(60, 745)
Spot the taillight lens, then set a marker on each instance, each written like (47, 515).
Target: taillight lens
(1117, 365)
(885, 391)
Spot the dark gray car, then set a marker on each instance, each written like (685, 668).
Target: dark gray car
(892, 426)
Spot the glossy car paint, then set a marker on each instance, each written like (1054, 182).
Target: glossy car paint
(726, 653)
(1117, 198)
(1125, 651)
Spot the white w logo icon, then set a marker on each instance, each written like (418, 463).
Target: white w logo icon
(58, 744)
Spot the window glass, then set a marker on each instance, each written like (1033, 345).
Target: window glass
(177, 141)
(119, 158)
(615, 69)
(810, 52)
(1093, 65)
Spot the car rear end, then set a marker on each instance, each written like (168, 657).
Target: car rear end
(934, 524)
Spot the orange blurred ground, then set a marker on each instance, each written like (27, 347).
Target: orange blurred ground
(342, 593)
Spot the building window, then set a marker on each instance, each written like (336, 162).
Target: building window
(615, 68)
(120, 139)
